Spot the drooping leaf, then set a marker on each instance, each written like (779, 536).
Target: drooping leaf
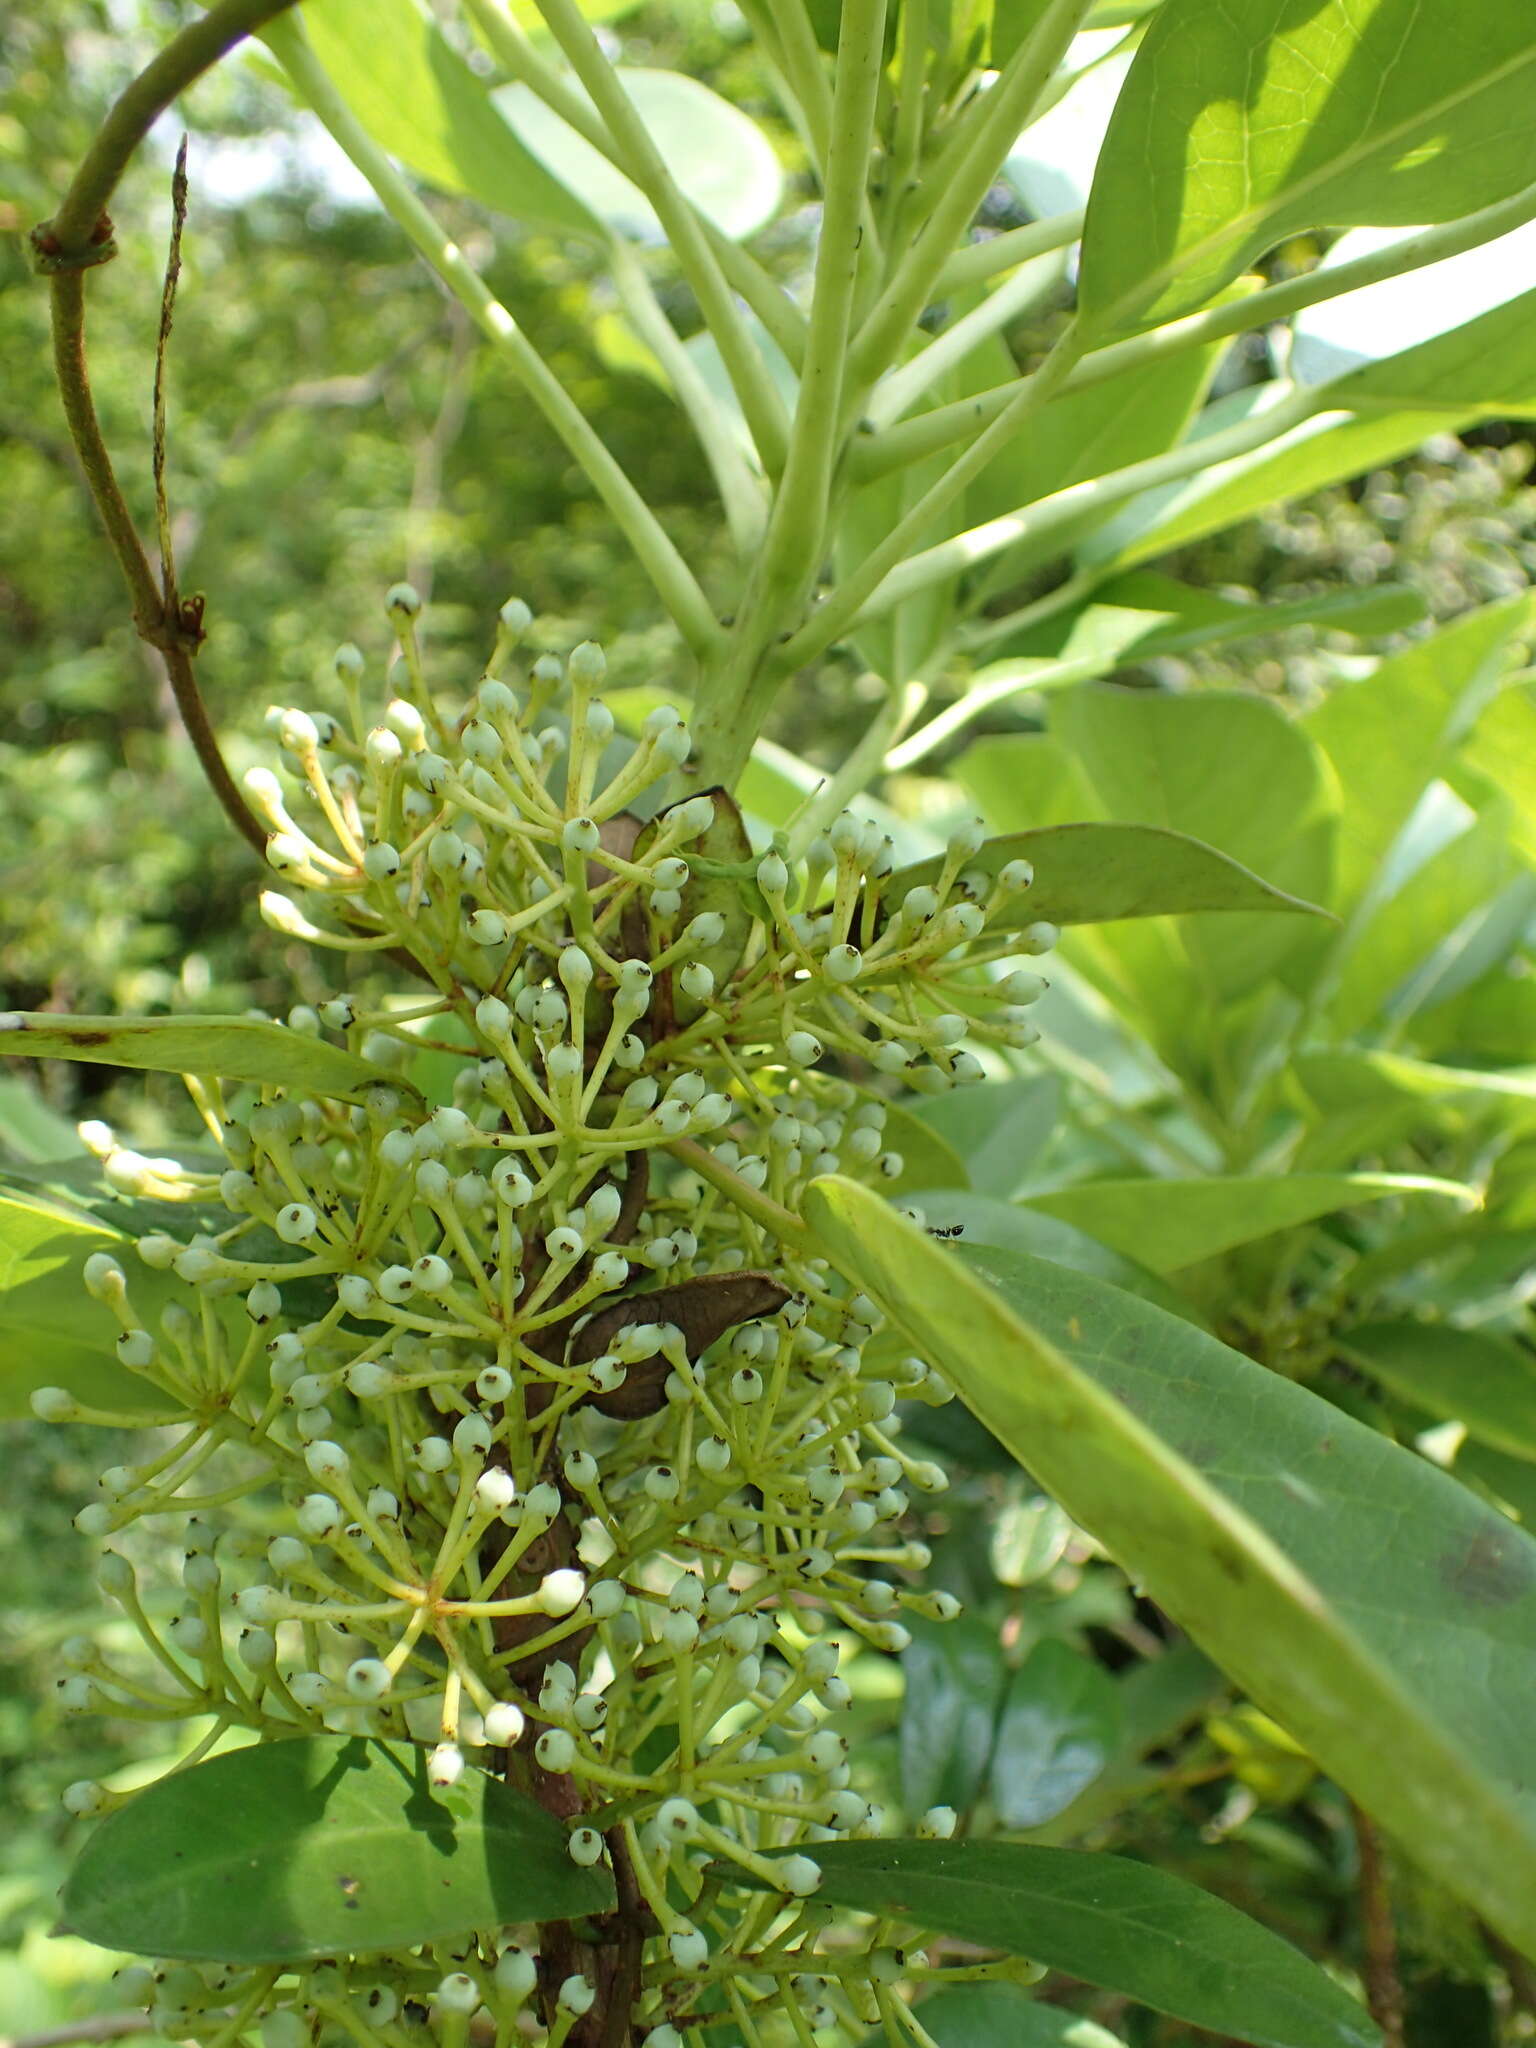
(999, 2016)
(1466, 1376)
(719, 158)
(1344, 1583)
(418, 99)
(233, 1048)
(1059, 1727)
(1092, 874)
(1242, 124)
(329, 1845)
(1105, 1920)
(1171, 1223)
(954, 1679)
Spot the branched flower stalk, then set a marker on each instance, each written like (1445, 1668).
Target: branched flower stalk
(575, 1461)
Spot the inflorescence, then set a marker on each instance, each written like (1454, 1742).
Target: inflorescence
(585, 1466)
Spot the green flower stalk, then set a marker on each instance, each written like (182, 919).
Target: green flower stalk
(588, 1466)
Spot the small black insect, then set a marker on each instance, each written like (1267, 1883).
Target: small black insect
(946, 1230)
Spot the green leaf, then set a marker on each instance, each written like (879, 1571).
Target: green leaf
(997, 1129)
(419, 100)
(1091, 874)
(1167, 1224)
(928, 1160)
(30, 1132)
(1334, 1079)
(1242, 124)
(726, 843)
(327, 1846)
(52, 1334)
(1022, 1227)
(1321, 451)
(234, 1048)
(1230, 770)
(1107, 1921)
(720, 160)
(1465, 1376)
(954, 1679)
(1137, 617)
(999, 2016)
(1059, 1727)
(1347, 1585)
(1395, 731)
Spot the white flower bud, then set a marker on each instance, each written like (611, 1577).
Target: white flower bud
(576, 1995)
(368, 1679)
(967, 840)
(555, 1750)
(707, 929)
(445, 1767)
(843, 964)
(54, 1404)
(698, 981)
(585, 1845)
(318, 1516)
(561, 1591)
(296, 1223)
(580, 835)
(102, 1275)
(772, 875)
(504, 1725)
(432, 1275)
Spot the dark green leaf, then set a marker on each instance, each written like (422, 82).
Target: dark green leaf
(1058, 1729)
(999, 2016)
(233, 1048)
(1466, 1376)
(996, 1129)
(1242, 124)
(1106, 1921)
(954, 1676)
(1172, 1223)
(1092, 874)
(1343, 1582)
(326, 1846)
(928, 1160)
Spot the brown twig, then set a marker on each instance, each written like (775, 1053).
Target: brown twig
(78, 239)
(110, 2026)
(1383, 1982)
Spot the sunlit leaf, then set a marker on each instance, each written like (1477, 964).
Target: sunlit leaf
(233, 1048)
(1347, 1585)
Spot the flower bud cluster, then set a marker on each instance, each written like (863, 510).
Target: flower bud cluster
(578, 1462)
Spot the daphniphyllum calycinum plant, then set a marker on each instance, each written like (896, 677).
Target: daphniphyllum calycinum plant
(527, 1374)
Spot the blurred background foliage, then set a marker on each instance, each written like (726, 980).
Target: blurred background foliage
(334, 429)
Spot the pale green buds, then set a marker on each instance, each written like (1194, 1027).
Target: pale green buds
(576, 1996)
(772, 875)
(580, 835)
(54, 1404)
(585, 1846)
(402, 601)
(457, 1993)
(1038, 938)
(555, 1750)
(504, 1725)
(844, 964)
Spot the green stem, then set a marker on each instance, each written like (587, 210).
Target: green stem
(732, 700)
(1002, 112)
(864, 593)
(861, 766)
(741, 494)
(761, 404)
(1036, 521)
(900, 389)
(974, 265)
(914, 440)
(673, 580)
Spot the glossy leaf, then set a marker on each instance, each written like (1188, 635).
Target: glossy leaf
(954, 1678)
(999, 2016)
(1243, 124)
(1092, 874)
(1104, 1920)
(419, 100)
(1167, 1224)
(1466, 1376)
(326, 1846)
(234, 1048)
(719, 159)
(1343, 1582)
(1059, 1727)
